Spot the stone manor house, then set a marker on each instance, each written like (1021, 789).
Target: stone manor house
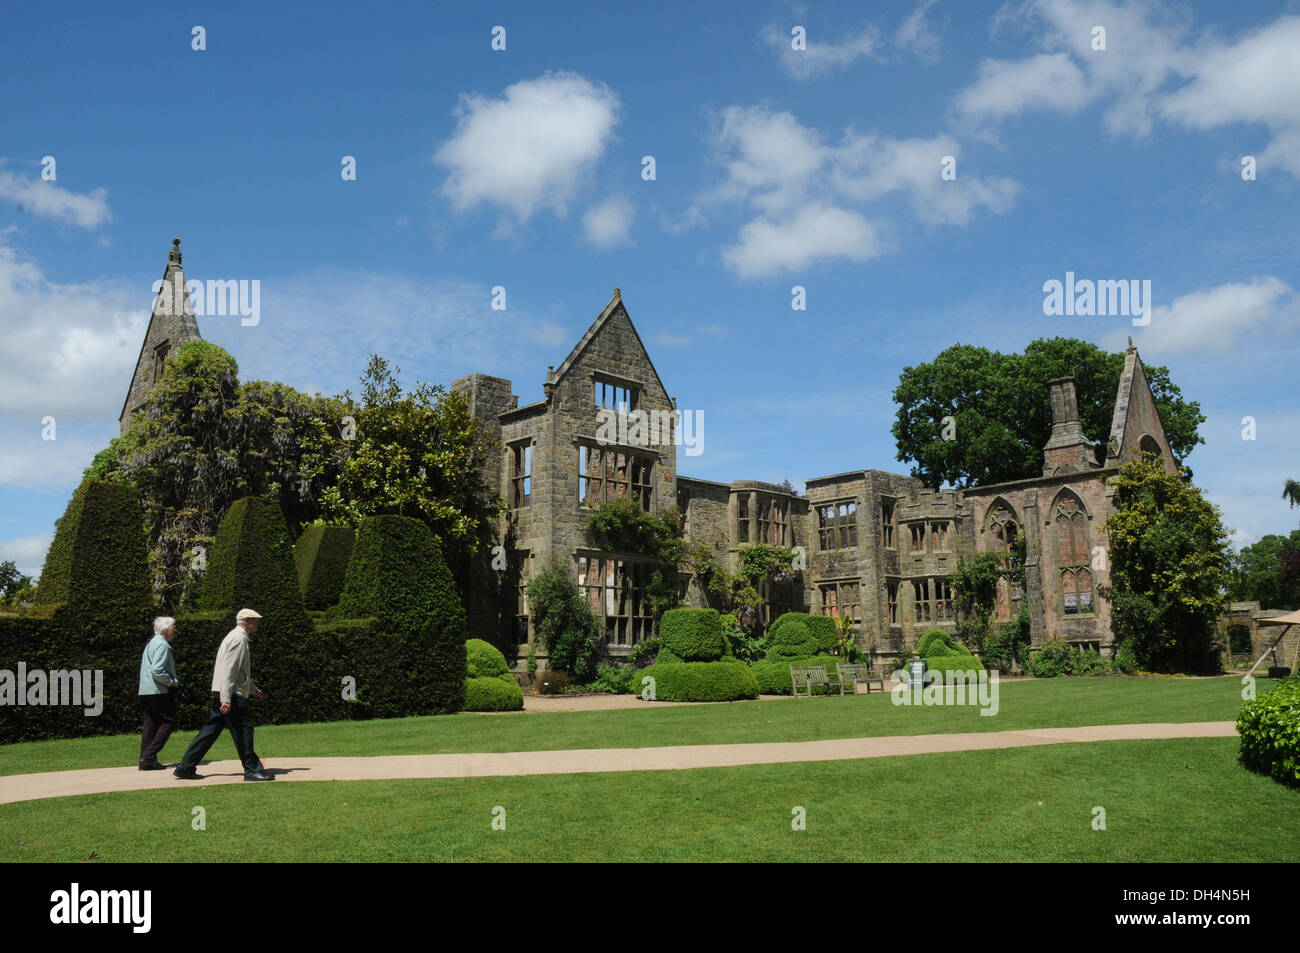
(880, 547)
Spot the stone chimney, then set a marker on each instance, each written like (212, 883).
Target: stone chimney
(1069, 448)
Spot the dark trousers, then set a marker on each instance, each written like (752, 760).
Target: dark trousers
(238, 720)
(159, 722)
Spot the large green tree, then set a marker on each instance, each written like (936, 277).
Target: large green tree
(416, 453)
(1002, 412)
(1170, 569)
(1268, 572)
(204, 440)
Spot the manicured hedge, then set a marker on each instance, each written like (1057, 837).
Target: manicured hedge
(699, 681)
(773, 675)
(1270, 733)
(93, 604)
(819, 634)
(954, 663)
(397, 575)
(500, 693)
(692, 635)
(252, 567)
(321, 555)
(484, 660)
(935, 642)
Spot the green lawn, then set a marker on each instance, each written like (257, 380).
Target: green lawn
(1178, 800)
(1053, 703)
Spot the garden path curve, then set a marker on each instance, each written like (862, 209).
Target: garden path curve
(27, 787)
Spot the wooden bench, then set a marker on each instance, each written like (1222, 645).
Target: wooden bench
(809, 676)
(856, 675)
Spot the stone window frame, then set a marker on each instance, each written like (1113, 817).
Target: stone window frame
(850, 586)
(891, 600)
(1074, 565)
(837, 524)
(623, 608)
(887, 526)
(921, 604)
(920, 536)
(636, 481)
(774, 530)
(684, 510)
(742, 517)
(1001, 524)
(520, 631)
(778, 597)
(521, 472)
(160, 352)
(607, 389)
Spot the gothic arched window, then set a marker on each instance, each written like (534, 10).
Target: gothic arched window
(1070, 522)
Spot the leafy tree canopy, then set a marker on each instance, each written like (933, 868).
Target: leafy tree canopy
(1170, 568)
(1001, 409)
(1268, 572)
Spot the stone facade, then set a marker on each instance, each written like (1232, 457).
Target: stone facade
(878, 547)
(171, 324)
(875, 546)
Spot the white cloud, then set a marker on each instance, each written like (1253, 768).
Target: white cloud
(86, 210)
(70, 348)
(530, 148)
(811, 194)
(1049, 81)
(1152, 68)
(26, 552)
(1255, 79)
(609, 224)
(820, 55)
(916, 36)
(811, 234)
(1214, 319)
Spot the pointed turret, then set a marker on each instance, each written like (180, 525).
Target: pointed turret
(171, 324)
(1136, 426)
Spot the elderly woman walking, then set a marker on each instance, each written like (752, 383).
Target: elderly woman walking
(158, 690)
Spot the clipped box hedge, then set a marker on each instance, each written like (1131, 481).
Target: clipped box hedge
(691, 635)
(799, 634)
(321, 556)
(93, 612)
(698, 681)
(773, 674)
(489, 686)
(1270, 733)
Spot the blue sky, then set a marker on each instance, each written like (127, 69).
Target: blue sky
(774, 168)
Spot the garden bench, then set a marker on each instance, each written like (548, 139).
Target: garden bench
(855, 675)
(808, 676)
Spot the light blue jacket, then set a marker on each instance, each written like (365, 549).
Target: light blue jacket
(157, 668)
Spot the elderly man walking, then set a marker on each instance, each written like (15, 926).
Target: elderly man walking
(158, 692)
(232, 686)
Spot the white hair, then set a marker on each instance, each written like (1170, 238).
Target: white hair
(162, 624)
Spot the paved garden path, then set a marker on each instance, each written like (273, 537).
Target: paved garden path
(27, 787)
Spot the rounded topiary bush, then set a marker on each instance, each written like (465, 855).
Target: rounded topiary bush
(493, 693)
(964, 662)
(822, 633)
(692, 635)
(484, 660)
(699, 681)
(935, 643)
(1270, 733)
(793, 640)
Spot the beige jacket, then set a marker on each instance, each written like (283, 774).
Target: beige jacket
(233, 674)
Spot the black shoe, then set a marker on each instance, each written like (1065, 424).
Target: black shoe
(188, 774)
(258, 776)
(151, 765)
